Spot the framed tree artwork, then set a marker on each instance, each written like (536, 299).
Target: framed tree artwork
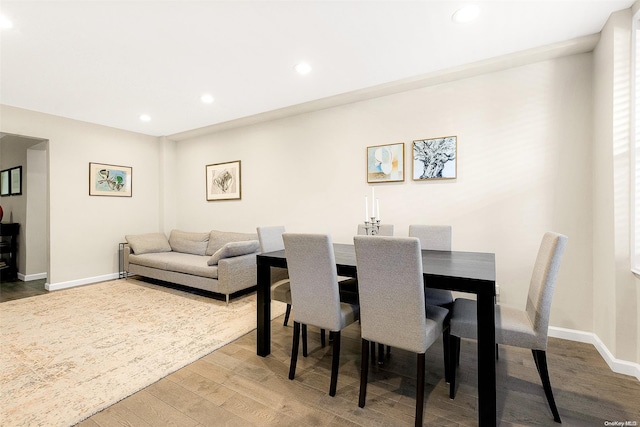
(435, 158)
(223, 181)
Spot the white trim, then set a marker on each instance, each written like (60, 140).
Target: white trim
(74, 283)
(616, 365)
(29, 277)
(634, 138)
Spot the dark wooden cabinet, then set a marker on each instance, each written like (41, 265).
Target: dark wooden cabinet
(9, 251)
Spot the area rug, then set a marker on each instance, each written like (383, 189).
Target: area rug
(69, 354)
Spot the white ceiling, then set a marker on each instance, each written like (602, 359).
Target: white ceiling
(108, 62)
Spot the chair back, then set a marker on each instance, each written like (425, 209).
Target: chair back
(270, 238)
(391, 288)
(385, 230)
(315, 294)
(432, 237)
(543, 281)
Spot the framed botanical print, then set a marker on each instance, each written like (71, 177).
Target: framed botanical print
(223, 181)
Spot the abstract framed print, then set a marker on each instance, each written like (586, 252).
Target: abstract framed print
(385, 163)
(110, 180)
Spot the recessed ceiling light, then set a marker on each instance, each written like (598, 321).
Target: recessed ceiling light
(303, 68)
(145, 117)
(5, 23)
(466, 14)
(206, 98)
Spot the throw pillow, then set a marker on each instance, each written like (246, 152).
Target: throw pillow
(147, 243)
(232, 249)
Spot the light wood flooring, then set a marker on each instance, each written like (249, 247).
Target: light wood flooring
(233, 386)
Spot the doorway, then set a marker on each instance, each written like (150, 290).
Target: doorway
(30, 207)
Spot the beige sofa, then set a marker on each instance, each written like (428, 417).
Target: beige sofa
(215, 261)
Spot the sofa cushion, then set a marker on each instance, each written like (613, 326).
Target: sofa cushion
(146, 243)
(232, 249)
(188, 242)
(157, 260)
(217, 239)
(178, 262)
(192, 264)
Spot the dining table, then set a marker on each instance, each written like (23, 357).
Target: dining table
(469, 272)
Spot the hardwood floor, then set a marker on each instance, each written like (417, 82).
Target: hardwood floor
(235, 387)
(18, 289)
(232, 386)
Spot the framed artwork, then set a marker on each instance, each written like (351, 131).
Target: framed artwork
(223, 181)
(385, 163)
(109, 180)
(5, 182)
(435, 158)
(15, 183)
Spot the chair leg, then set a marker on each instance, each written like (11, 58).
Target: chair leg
(305, 353)
(286, 315)
(294, 350)
(420, 390)
(323, 338)
(373, 352)
(454, 357)
(445, 346)
(497, 353)
(364, 373)
(540, 358)
(380, 354)
(335, 363)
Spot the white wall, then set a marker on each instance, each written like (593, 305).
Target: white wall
(36, 244)
(616, 289)
(524, 167)
(85, 230)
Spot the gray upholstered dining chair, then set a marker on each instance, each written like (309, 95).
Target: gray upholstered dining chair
(434, 238)
(315, 295)
(385, 230)
(526, 328)
(392, 304)
(270, 239)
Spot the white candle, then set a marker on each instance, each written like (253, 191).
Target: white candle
(373, 201)
(377, 209)
(366, 209)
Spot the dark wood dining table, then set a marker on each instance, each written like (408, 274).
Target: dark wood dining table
(470, 272)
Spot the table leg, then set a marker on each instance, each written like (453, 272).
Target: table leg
(264, 310)
(486, 360)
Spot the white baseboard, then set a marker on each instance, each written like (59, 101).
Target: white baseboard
(28, 277)
(80, 282)
(616, 365)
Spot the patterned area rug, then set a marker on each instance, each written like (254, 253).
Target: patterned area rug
(69, 354)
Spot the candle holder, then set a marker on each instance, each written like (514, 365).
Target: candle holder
(372, 227)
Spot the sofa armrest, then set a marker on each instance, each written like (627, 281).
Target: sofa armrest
(126, 252)
(237, 273)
